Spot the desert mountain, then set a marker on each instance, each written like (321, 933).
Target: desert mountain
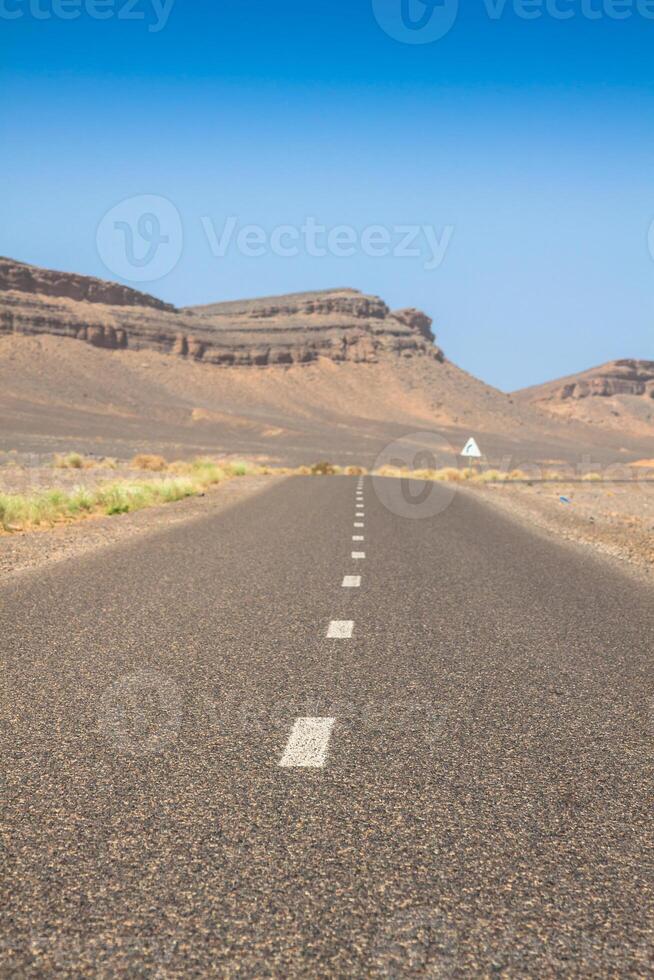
(340, 324)
(618, 395)
(97, 366)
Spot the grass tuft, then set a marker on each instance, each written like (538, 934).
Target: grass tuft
(149, 461)
(325, 469)
(70, 461)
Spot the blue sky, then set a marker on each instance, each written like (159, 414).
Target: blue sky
(527, 146)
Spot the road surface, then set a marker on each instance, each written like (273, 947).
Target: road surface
(235, 749)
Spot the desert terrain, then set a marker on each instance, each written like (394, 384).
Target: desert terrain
(98, 368)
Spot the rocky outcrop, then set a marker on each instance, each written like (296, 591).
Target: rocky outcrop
(31, 279)
(618, 395)
(626, 377)
(339, 324)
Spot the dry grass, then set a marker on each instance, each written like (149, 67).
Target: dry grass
(70, 461)
(149, 461)
(451, 474)
(184, 479)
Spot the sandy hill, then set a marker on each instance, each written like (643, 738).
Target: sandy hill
(92, 365)
(618, 395)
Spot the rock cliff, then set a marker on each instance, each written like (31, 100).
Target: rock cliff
(339, 324)
(624, 377)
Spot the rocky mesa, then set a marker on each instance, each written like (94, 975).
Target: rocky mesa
(339, 324)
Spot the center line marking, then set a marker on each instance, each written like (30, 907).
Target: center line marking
(357, 537)
(351, 581)
(307, 744)
(340, 629)
(358, 554)
(358, 524)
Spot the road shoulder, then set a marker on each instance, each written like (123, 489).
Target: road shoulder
(589, 518)
(25, 552)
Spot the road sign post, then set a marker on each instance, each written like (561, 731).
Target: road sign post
(471, 452)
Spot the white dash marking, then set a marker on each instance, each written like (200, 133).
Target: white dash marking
(307, 744)
(357, 537)
(340, 629)
(351, 581)
(358, 554)
(358, 523)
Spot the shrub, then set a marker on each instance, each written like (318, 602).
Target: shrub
(492, 476)
(71, 461)
(325, 468)
(146, 461)
(239, 468)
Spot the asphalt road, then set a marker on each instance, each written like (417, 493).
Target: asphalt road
(198, 780)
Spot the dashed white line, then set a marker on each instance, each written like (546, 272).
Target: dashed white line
(351, 581)
(358, 554)
(358, 524)
(308, 743)
(340, 629)
(357, 537)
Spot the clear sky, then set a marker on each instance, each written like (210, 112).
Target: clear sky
(524, 146)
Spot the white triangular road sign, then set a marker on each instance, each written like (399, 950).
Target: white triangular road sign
(471, 449)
